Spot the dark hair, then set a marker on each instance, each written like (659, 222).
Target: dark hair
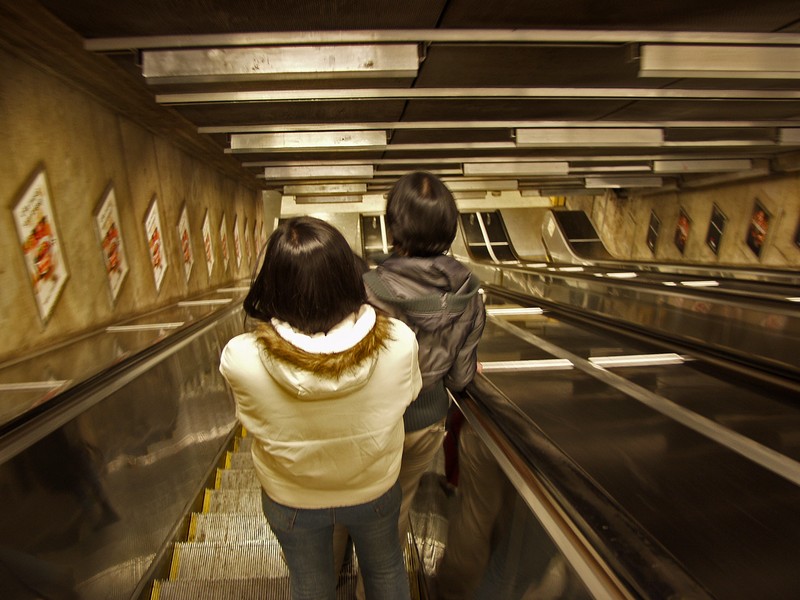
(309, 278)
(421, 215)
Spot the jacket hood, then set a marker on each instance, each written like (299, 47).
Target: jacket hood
(429, 291)
(322, 366)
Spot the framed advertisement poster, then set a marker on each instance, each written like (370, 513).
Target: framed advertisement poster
(716, 226)
(106, 220)
(41, 244)
(758, 228)
(248, 247)
(223, 242)
(682, 229)
(237, 242)
(653, 229)
(208, 244)
(186, 243)
(155, 243)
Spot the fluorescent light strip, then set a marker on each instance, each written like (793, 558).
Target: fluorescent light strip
(325, 189)
(701, 166)
(623, 275)
(516, 168)
(570, 269)
(709, 283)
(591, 137)
(793, 299)
(496, 185)
(637, 360)
(206, 65)
(308, 140)
(33, 385)
(205, 302)
(233, 289)
(520, 366)
(148, 327)
(713, 61)
(623, 182)
(506, 312)
(320, 171)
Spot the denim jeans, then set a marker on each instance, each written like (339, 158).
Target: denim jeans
(306, 537)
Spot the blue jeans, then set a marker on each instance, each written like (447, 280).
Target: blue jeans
(306, 537)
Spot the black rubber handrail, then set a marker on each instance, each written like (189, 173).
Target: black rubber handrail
(636, 559)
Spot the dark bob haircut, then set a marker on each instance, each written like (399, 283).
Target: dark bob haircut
(421, 215)
(309, 277)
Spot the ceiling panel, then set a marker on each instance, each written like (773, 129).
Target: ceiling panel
(485, 70)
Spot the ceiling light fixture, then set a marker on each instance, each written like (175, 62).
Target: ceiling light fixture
(206, 65)
(702, 166)
(496, 185)
(591, 137)
(749, 62)
(623, 182)
(332, 140)
(515, 169)
(325, 189)
(320, 172)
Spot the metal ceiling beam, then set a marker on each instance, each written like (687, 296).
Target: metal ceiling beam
(474, 93)
(308, 140)
(405, 125)
(388, 148)
(330, 189)
(592, 138)
(469, 36)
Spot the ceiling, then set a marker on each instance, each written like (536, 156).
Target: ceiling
(541, 96)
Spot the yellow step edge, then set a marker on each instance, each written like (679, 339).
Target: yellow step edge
(192, 535)
(173, 569)
(228, 460)
(156, 593)
(206, 500)
(218, 479)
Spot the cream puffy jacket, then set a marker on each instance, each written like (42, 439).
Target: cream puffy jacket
(325, 411)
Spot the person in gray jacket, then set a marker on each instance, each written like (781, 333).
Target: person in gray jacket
(438, 298)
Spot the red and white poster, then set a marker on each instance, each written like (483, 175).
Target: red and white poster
(208, 244)
(186, 243)
(155, 243)
(223, 242)
(110, 236)
(40, 243)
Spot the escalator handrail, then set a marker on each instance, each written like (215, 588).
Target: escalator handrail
(594, 526)
(31, 426)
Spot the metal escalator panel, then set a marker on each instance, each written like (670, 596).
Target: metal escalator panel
(708, 471)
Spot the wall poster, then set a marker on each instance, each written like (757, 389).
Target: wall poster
(237, 242)
(208, 244)
(248, 243)
(223, 242)
(155, 243)
(715, 228)
(186, 243)
(41, 245)
(758, 228)
(106, 218)
(653, 230)
(682, 230)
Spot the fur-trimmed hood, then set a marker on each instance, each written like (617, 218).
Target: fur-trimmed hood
(322, 373)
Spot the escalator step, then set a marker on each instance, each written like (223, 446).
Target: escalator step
(241, 460)
(237, 479)
(247, 501)
(236, 589)
(210, 561)
(228, 527)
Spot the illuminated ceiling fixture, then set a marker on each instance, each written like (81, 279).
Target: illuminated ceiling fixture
(496, 185)
(325, 189)
(589, 137)
(789, 136)
(206, 65)
(327, 199)
(637, 360)
(320, 172)
(297, 141)
(515, 169)
(623, 182)
(701, 166)
(708, 60)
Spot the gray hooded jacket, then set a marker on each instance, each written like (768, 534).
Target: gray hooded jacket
(437, 297)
